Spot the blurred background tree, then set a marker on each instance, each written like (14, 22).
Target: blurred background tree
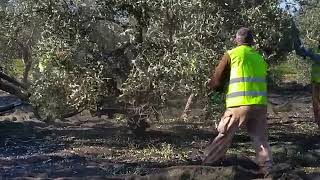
(308, 23)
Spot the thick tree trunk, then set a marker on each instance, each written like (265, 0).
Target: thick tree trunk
(27, 68)
(26, 57)
(14, 90)
(12, 80)
(187, 109)
(13, 86)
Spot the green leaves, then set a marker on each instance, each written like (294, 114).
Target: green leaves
(154, 49)
(308, 23)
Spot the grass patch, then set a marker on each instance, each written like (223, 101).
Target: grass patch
(15, 68)
(165, 153)
(311, 170)
(294, 69)
(285, 71)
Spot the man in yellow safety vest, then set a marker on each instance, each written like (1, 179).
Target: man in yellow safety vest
(244, 72)
(315, 80)
(314, 55)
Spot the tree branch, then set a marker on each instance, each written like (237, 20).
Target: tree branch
(12, 80)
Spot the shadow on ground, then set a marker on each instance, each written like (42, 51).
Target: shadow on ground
(100, 148)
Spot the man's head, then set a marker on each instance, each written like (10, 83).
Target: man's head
(244, 36)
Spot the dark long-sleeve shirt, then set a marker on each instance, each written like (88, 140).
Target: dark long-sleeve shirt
(304, 52)
(220, 76)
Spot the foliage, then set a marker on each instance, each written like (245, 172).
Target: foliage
(293, 69)
(19, 31)
(154, 50)
(308, 23)
(15, 67)
(186, 38)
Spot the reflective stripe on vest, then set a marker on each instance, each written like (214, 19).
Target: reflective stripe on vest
(247, 79)
(247, 84)
(246, 93)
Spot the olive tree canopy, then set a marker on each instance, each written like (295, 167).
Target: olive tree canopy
(152, 50)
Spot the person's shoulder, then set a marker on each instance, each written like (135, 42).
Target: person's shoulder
(254, 50)
(230, 51)
(226, 57)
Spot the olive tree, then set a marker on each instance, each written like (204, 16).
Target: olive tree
(184, 40)
(308, 22)
(136, 53)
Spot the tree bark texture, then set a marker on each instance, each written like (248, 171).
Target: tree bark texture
(187, 109)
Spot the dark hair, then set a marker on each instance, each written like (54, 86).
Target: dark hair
(244, 36)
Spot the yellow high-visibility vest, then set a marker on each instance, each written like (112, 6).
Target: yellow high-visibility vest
(247, 84)
(315, 70)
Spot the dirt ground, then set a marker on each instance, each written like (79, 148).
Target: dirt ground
(83, 147)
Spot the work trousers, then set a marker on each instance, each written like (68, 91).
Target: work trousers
(316, 102)
(254, 119)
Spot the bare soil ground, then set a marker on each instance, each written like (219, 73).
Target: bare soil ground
(83, 147)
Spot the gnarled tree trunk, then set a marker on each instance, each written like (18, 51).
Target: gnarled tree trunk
(13, 86)
(27, 61)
